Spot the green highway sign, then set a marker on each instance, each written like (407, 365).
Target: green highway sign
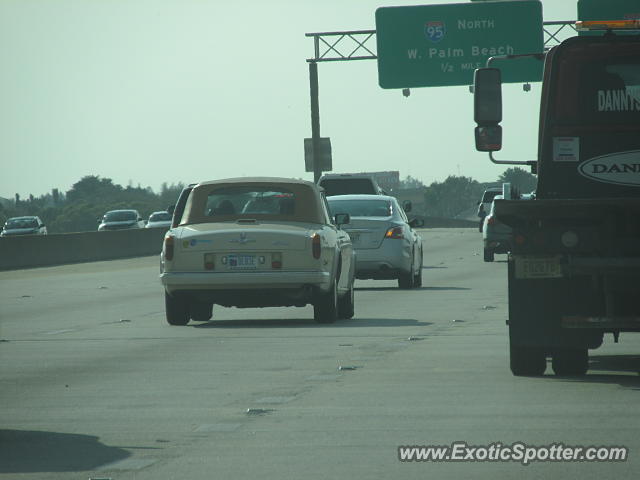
(442, 45)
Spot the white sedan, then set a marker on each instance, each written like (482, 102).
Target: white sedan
(385, 241)
(257, 242)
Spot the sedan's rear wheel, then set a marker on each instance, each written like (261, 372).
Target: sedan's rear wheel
(346, 304)
(177, 310)
(405, 280)
(325, 309)
(201, 311)
(417, 279)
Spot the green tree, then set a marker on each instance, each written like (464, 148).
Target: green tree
(410, 182)
(520, 179)
(453, 196)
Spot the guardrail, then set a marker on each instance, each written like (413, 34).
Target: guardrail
(28, 251)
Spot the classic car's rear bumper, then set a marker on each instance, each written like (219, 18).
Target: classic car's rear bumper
(176, 281)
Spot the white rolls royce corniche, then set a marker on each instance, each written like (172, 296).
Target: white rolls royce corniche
(257, 242)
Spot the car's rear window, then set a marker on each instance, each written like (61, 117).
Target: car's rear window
(250, 201)
(122, 216)
(21, 223)
(160, 217)
(346, 186)
(261, 201)
(361, 208)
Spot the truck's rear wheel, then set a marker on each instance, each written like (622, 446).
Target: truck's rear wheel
(527, 361)
(570, 361)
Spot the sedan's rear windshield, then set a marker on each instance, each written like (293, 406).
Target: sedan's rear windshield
(250, 201)
(21, 223)
(361, 208)
(346, 186)
(120, 216)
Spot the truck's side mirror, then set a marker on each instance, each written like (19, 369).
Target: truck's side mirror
(487, 109)
(407, 206)
(488, 139)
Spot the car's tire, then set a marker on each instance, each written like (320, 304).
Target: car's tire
(346, 304)
(527, 361)
(489, 255)
(325, 308)
(177, 310)
(417, 279)
(405, 280)
(570, 361)
(201, 311)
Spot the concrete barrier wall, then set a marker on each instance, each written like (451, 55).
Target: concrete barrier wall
(57, 249)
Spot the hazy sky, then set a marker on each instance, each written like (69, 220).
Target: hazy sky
(148, 91)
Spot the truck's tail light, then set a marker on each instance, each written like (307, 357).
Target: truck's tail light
(520, 239)
(276, 260)
(209, 261)
(315, 246)
(168, 247)
(394, 232)
(491, 220)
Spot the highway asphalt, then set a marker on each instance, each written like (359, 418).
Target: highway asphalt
(95, 384)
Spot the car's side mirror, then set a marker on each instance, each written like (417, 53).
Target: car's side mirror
(416, 223)
(487, 109)
(342, 219)
(407, 206)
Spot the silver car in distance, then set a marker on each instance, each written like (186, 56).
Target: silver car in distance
(386, 244)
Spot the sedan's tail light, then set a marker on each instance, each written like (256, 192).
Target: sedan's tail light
(315, 246)
(209, 261)
(168, 247)
(394, 232)
(276, 260)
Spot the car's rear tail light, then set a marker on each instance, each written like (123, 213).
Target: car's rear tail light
(276, 260)
(168, 247)
(520, 239)
(491, 220)
(209, 261)
(315, 246)
(394, 232)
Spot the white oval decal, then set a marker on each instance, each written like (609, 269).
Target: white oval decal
(622, 168)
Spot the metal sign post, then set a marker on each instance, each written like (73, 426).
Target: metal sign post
(315, 120)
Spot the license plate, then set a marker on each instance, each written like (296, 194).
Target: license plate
(355, 236)
(241, 261)
(538, 266)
